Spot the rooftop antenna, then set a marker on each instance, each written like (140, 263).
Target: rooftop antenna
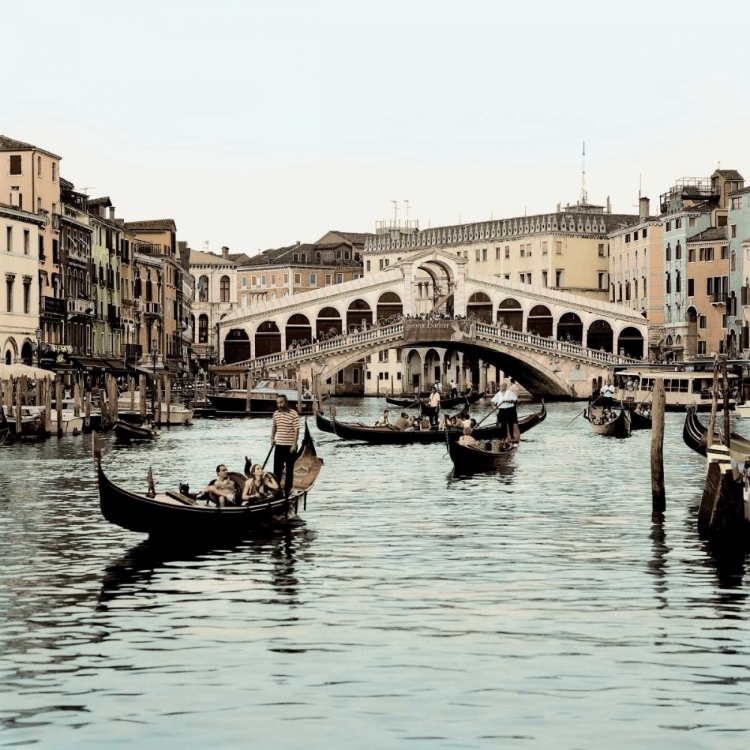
(492, 215)
(88, 187)
(584, 197)
(205, 246)
(407, 212)
(395, 213)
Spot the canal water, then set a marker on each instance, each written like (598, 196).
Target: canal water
(537, 608)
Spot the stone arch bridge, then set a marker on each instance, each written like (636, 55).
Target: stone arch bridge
(554, 343)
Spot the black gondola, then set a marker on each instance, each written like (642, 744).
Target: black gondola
(611, 424)
(174, 517)
(325, 425)
(391, 436)
(640, 421)
(126, 432)
(468, 460)
(445, 403)
(4, 428)
(695, 435)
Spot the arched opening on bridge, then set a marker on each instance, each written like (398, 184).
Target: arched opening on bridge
(432, 369)
(630, 343)
(570, 328)
(236, 346)
(328, 323)
(480, 306)
(510, 314)
(600, 336)
(359, 315)
(414, 363)
(539, 321)
(436, 289)
(299, 330)
(27, 353)
(389, 304)
(267, 339)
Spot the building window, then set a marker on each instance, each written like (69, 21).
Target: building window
(734, 231)
(691, 255)
(706, 254)
(667, 226)
(340, 377)
(602, 280)
(677, 223)
(329, 278)
(15, 165)
(668, 253)
(224, 289)
(476, 254)
(669, 284)
(507, 252)
(601, 250)
(484, 253)
(26, 238)
(339, 278)
(702, 322)
(545, 250)
(203, 289)
(678, 251)
(627, 239)
(297, 279)
(244, 282)
(203, 329)
(497, 253)
(295, 258)
(691, 288)
(701, 347)
(313, 279)
(558, 248)
(677, 283)
(9, 279)
(559, 278)
(26, 297)
(724, 252)
(367, 265)
(383, 355)
(9, 239)
(544, 279)
(733, 261)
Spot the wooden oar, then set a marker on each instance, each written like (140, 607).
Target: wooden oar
(268, 456)
(578, 415)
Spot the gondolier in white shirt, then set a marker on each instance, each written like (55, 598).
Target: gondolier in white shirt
(434, 406)
(505, 403)
(284, 436)
(607, 395)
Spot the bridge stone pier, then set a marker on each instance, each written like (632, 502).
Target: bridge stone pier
(555, 344)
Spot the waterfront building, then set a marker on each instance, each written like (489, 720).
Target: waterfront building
(692, 205)
(161, 318)
(707, 294)
(214, 278)
(19, 282)
(30, 181)
(636, 265)
(738, 325)
(75, 262)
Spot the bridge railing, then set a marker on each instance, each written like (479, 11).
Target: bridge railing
(395, 330)
(565, 347)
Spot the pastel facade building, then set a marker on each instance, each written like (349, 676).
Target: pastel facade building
(19, 283)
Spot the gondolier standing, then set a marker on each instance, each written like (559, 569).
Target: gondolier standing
(607, 394)
(434, 405)
(284, 436)
(505, 403)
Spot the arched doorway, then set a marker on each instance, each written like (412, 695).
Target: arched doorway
(630, 343)
(570, 328)
(539, 321)
(600, 336)
(299, 330)
(328, 323)
(691, 340)
(480, 306)
(414, 363)
(389, 304)
(359, 315)
(9, 357)
(432, 368)
(236, 346)
(267, 339)
(510, 314)
(27, 353)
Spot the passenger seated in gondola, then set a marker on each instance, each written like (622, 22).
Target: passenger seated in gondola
(383, 421)
(403, 422)
(222, 490)
(467, 440)
(259, 485)
(644, 411)
(424, 424)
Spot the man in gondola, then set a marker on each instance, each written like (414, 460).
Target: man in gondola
(403, 422)
(505, 403)
(454, 389)
(284, 436)
(466, 439)
(434, 406)
(607, 395)
(222, 490)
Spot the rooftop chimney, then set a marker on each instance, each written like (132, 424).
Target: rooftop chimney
(111, 213)
(225, 253)
(643, 208)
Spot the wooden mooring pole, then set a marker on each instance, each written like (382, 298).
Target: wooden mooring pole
(658, 496)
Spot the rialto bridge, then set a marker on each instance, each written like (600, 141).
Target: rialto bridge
(554, 343)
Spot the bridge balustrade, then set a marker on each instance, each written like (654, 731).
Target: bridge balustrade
(395, 330)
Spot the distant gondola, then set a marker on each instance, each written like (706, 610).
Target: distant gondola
(445, 403)
(175, 517)
(391, 436)
(325, 425)
(639, 421)
(617, 425)
(127, 432)
(695, 435)
(467, 460)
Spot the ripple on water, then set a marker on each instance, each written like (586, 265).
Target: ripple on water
(537, 607)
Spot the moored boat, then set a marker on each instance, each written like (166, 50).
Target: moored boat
(445, 403)
(126, 432)
(695, 436)
(262, 399)
(609, 422)
(487, 457)
(176, 517)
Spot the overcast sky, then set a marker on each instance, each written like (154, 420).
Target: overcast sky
(256, 124)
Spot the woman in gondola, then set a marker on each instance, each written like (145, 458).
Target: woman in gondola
(259, 485)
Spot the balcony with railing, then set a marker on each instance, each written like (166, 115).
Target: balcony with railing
(53, 306)
(113, 316)
(132, 352)
(80, 307)
(153, 309)
(73, 214)
(719, 298)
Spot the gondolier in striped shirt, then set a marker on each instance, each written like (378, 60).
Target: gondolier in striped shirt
(284, 436)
